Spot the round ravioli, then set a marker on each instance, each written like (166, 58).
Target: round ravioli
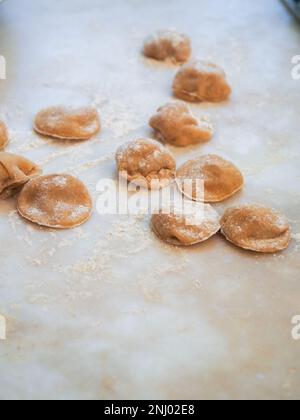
(3, 135)
(146, 163)
(195, 224)
(175, 124)
(256, 228)
(15, 171)
(209, 179)
(68, 123)
(168, 45)
(56, 201)
(199, 81)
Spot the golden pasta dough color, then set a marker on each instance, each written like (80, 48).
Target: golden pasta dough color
(3, 135)
(256, 228)
(197, 225)
(147, 163)
(176, 125)
(15, 171)
(209, 178)
(199, 81)
(168, 45)
(68, 123)
(56, 201)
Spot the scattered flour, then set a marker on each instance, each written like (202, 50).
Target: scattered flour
(296, 238)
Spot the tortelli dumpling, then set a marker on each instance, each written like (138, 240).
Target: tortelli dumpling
(176, 125)
(256, 228)
(55, 201)
(68, 123)
(197, 224)
(15, 171)
(147, 163)
(199, 81)
(168, 45)
(209, 178)
(3, 135)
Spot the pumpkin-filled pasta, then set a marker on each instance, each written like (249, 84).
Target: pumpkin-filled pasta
(56, 201)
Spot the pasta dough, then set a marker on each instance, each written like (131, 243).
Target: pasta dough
(68, 123)
(199, 81)
(15, 171)
(3, 135)
(146, 163)
(176, 125)
(56, 201)
(256, 228)
(199, 224)
(209, 178)
(168, 45)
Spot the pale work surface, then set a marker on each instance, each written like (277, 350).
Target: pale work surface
(107, 310)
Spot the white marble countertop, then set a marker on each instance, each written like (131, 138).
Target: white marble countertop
(106, 311)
